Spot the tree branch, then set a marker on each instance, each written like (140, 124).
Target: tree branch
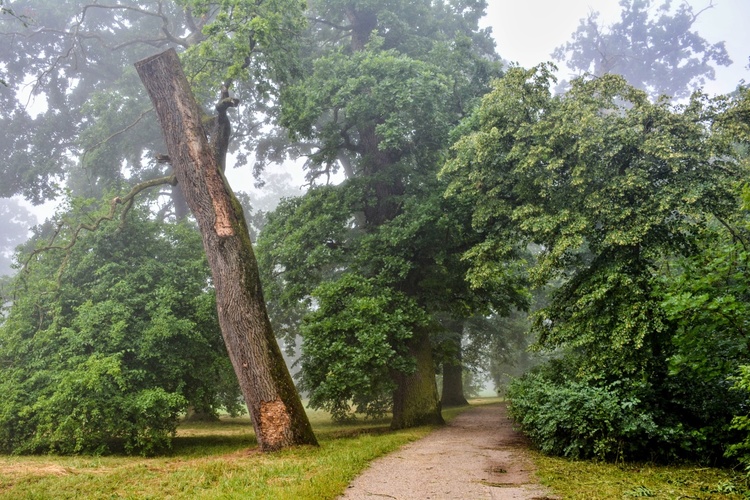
(126, 201)
(106, 140)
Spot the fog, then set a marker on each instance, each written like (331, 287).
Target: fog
(527, 32)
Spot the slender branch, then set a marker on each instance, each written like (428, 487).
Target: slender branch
(731, 230)
(126, 201)
(119, 132)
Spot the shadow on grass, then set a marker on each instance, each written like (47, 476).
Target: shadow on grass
(193, 446)
(203, 438)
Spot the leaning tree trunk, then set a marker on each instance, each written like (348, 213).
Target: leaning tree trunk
(272, 400)
(415, 400)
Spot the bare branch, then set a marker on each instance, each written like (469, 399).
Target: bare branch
(119, 132)
(126, 201)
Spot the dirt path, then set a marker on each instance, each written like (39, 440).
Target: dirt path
(478, 455)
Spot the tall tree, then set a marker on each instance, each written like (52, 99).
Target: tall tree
(376, 254)
(658, 52)
(277, 413)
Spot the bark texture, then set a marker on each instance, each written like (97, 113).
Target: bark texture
(453, 379)
(415, 400)
(274, 405)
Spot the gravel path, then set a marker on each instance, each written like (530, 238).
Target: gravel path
(477, 456)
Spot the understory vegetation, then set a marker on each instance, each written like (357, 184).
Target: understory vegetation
(219, 460)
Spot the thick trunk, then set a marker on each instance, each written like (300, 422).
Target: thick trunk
(363, 22)
(384, 188)
(415, 400)
(453, 385)
(274, 405)
(453, 382)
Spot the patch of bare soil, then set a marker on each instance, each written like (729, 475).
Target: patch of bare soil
(477, 456)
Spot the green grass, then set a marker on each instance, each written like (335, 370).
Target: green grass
(220, 460)
(214, 461)
(587, 480)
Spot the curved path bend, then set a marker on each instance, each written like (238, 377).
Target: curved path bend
(477, 456)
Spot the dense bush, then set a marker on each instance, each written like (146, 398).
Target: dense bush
(109, 355)
(664, 419)
(579, 420)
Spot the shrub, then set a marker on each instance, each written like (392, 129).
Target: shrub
(578, 420)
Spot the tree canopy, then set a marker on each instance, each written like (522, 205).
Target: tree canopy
(613, 188)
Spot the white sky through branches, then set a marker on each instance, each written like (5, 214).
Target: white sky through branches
(527, 31)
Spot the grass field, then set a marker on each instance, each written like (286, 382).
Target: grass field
(220, 460)
(586, 480)
(213, 461)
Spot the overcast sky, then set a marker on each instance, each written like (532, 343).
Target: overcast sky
(527, 31)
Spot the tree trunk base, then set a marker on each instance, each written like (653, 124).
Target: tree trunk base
(415, 401)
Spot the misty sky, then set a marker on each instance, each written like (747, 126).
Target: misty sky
(527, 31)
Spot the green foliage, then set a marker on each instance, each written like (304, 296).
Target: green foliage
(112, 351)
(353, 341)
(741, 422)
(578, 420)
(402, 97)
(607, 183)
(244, 40)
(662, 419)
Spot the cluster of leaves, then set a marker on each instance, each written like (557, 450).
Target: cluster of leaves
(370, 326)
(615, 189)
(108, 343)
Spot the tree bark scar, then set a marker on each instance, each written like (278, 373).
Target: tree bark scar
(223, 222)
(275, 422)
(214, 182)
